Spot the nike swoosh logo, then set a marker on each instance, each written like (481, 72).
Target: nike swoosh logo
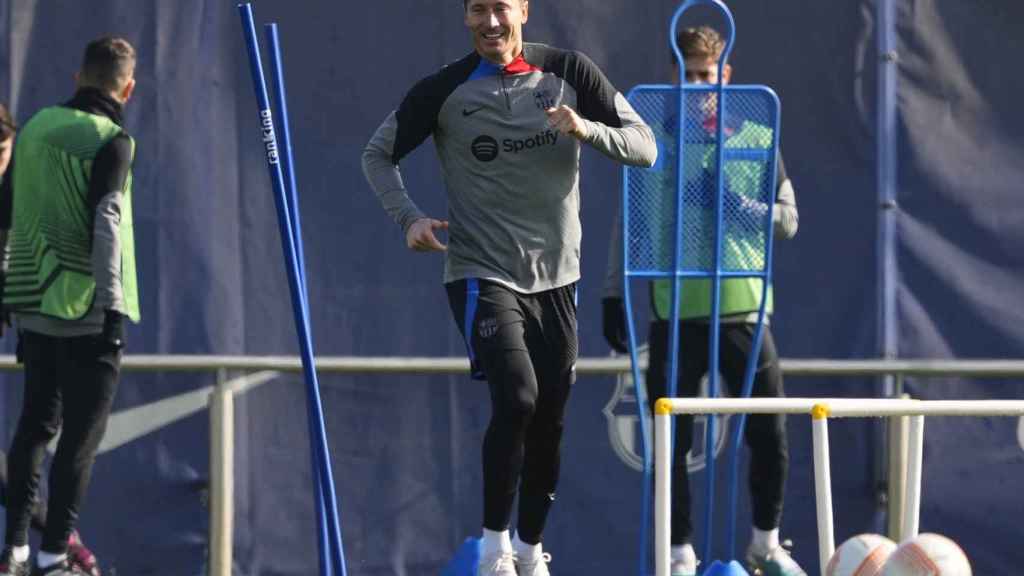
(131, 424)
(467, 112)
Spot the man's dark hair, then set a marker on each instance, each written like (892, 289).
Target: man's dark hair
(7, 126)
(701, 42)
(108, 64)
(465, 4)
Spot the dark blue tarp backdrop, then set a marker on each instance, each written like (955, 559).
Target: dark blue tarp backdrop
(406, 448)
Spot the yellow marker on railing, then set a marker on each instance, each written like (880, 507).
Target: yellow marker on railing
(820, 411)
(663, 407)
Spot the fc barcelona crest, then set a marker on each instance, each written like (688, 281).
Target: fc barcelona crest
(624, 425)
(543, 99)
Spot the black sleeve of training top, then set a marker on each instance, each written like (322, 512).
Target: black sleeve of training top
(110, 169)
(417, 114)
(595, 94)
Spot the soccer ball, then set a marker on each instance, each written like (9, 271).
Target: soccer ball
(928, 555)
(862, 555)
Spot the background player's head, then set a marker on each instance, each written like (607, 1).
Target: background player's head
(7, 130)
(109, 66)
(496, 27)
(701, 47)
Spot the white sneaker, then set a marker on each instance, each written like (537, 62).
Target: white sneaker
(683, 568)
(538, 567)
(684, 563)
(775, 562)
(501, 563)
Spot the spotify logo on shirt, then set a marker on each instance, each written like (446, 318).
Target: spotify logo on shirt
(485, 148)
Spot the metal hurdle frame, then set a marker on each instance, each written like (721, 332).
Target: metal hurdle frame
(820, 410)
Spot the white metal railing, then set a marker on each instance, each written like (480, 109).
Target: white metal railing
(585, 366)
(820, 409)
(222, 413)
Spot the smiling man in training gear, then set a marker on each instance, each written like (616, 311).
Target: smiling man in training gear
(508, 121)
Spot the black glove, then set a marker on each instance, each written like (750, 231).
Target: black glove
(613, 320)
(112, 337)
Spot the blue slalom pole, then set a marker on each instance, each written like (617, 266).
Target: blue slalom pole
(321, 456)
(292, 200)
(284, 140)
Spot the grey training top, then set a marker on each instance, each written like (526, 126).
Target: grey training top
(512, 181)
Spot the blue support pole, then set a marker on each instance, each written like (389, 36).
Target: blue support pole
(888, 210)
(639, 389)
(886, 178)
(716, 275)
(321, 455)
(755, 354)
(714, 320)
(641, 401)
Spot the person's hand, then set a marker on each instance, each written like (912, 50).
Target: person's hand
(112, 337)
(566, 121)
(747, 213)
(613, 321)
(750, 207)
(420, 235)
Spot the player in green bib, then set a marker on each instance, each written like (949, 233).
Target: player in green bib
(66, 211)
(740, 299)
(78, 553)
